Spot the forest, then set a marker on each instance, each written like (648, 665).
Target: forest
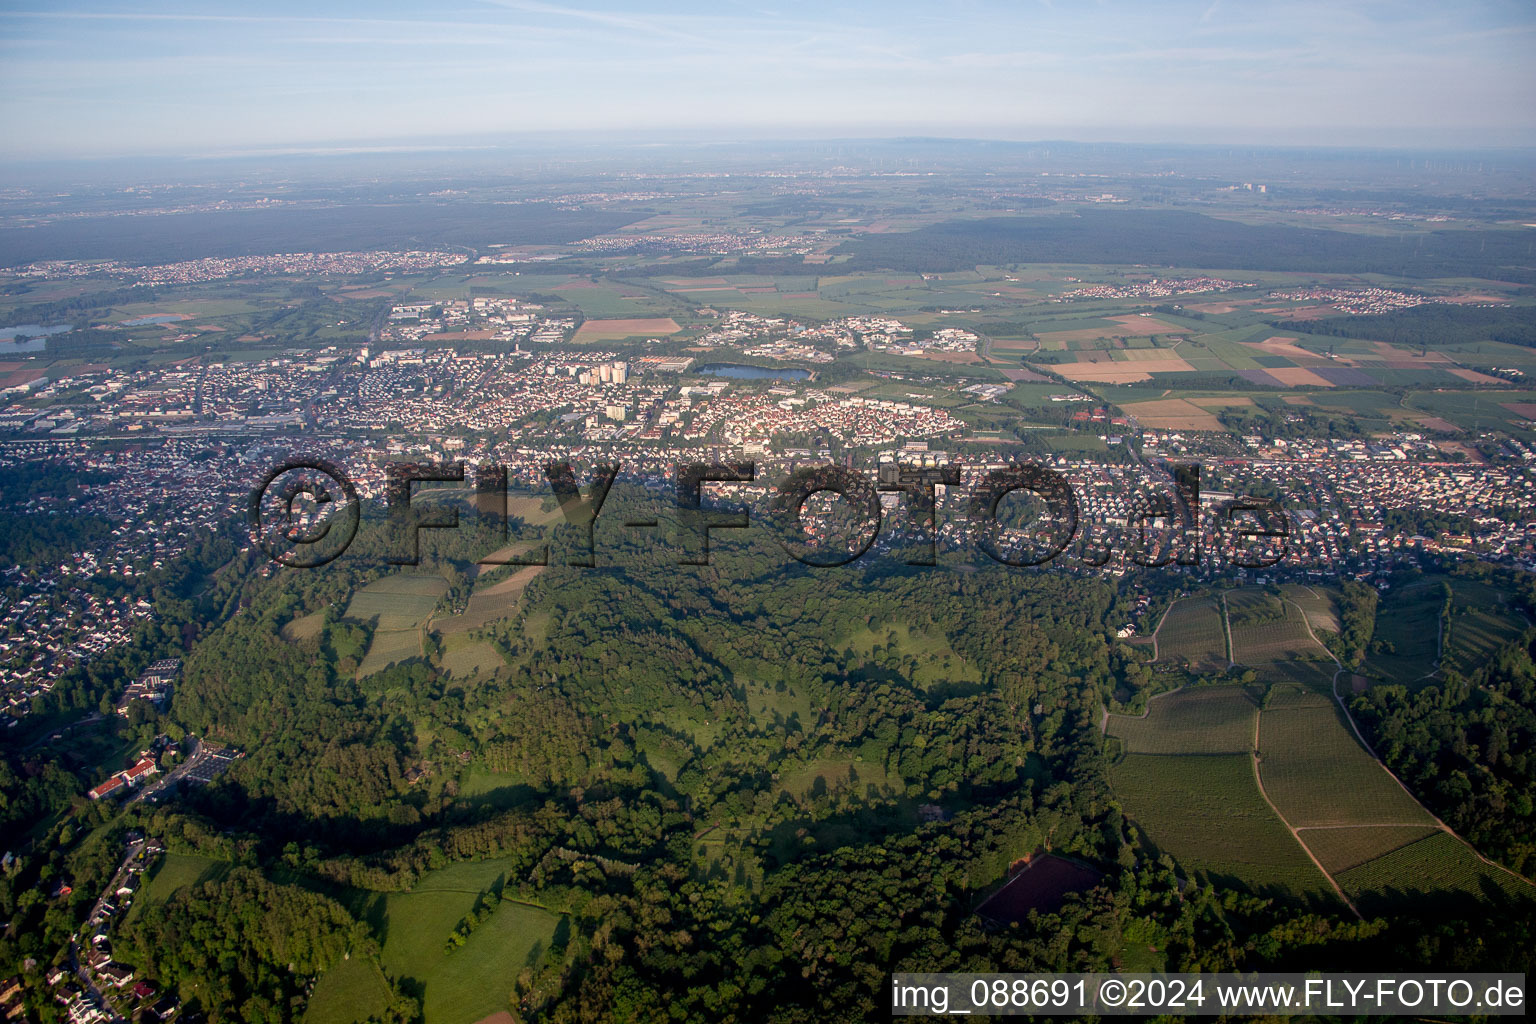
(645, 712)
(1431, 325)
(1184, 239)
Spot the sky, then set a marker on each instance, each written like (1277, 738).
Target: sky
(97, 79)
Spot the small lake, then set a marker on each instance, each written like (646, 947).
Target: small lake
(753, 372)
(35, 337)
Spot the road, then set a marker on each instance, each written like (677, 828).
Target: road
(199, 754)
(78, 963)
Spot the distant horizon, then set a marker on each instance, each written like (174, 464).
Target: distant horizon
(586, 143)
(83, 81)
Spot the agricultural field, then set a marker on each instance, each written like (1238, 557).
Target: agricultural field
(1206, 812)
(489, 603)
(1110, 346)
(1171, 414)
(390, 647)
(1438, 866)
(1474, 411)
(1193, 633)
(350, 992)
(1406, 643)
(463, 658)
(1265, 629)
(1341, 848)
(1482, 621)
(398, 602)
(1194, 720)
(617, 330)
(598, 300)
(1042, 885)
(305, 627)
(1316, 603)
(1317, 773)
(1313, 678)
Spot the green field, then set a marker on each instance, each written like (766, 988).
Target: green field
(499, 790)
(1340, 849)
(489, 603)
(532, 510)
(350, 992)
(1206, 811)
(1201, 720)
(472, 981)
(178, 871)
(398, 602)
(1406, 642)
(1192, 634)
(390, 646)
(1316, 603)
(463, 658)
(476, 980)
(305, 627)
(615, 302)
(1317, 773)
(830, 773)
(1438, 866)
(1481, 623)
(1265, 628)
(927, 658)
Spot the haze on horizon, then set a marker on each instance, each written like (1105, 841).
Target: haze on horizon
(95, 80)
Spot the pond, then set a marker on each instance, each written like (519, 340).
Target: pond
(28, 337)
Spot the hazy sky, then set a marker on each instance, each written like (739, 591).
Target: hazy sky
(98, 78)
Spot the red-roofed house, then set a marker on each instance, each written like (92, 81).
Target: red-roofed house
(140, 771)
(107, 788)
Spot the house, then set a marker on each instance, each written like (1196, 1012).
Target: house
(142, 769)
(125, 780)
(107, 788)
(115, 974)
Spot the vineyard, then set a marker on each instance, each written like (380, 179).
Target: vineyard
(1202, 720)
(1407, 638)
(1192, 634)
(1436, 867)
(1266, 629)
(1316, 603)
(1206, 811)
(1340, 849)
(1481, 623)
(1317, 773)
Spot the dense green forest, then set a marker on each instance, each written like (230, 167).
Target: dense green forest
(750, 790)
(1181, 239)
(1464, 744)
(1431, 325)
(317, 227)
